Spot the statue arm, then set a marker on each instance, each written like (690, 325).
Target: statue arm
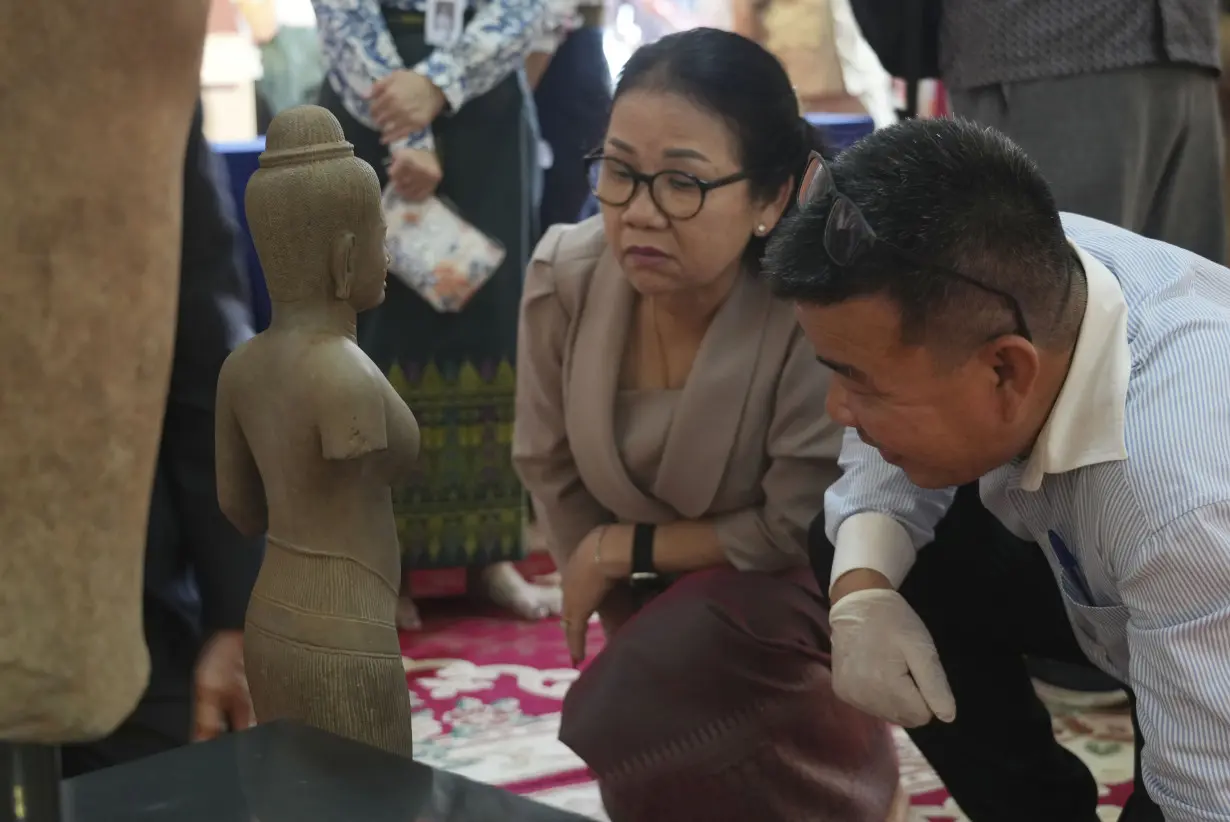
(351, 413)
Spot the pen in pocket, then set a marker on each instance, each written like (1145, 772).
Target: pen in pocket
(1070, 567)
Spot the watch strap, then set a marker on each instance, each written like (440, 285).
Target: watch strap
(643, 568)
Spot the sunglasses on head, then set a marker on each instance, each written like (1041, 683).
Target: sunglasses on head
(848, 236)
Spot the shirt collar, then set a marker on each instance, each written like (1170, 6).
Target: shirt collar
(1086, 426)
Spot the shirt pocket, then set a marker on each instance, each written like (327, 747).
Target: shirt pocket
(1101, 630)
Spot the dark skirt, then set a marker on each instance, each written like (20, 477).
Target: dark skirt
(714, 703)
(463, 506)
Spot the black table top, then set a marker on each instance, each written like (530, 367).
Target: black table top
(283, 772)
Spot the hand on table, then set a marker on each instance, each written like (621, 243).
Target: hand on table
(884, 660)
(220, 689)
(588, 577)
(415, 173)
(403, 104)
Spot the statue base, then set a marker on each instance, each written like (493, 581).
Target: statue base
(284, 772)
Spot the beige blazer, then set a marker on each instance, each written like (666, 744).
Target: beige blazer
(749, 447)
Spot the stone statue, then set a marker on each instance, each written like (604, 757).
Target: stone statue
(310, 436)
(98, 98)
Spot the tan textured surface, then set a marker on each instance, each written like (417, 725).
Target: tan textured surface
(310, 437)
(96, 100)
(801, 34)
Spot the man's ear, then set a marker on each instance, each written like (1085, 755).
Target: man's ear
(341, 267)
(1016, 366)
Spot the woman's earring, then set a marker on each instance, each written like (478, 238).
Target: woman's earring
(761, 230)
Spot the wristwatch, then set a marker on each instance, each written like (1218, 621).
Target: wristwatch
(644, 574)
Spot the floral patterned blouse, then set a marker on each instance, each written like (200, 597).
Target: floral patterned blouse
(360, 50)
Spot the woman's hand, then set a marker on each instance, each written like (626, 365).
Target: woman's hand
(404, 103)
(415, 173)
(588, 578)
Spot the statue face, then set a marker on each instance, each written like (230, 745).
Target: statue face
(371, 267)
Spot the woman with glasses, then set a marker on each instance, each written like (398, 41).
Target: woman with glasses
(670, 427)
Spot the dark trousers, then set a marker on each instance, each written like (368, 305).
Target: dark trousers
(1138, 147)
(989, 599)
(573, 100)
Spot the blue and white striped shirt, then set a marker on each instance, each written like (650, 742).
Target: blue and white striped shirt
(1131, 479)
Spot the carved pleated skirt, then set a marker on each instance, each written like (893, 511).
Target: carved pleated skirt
(320, 647)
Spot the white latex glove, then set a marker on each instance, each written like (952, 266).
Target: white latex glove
(885, 662)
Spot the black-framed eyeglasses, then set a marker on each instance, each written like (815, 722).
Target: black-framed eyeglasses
(848, 235)
(677, 194)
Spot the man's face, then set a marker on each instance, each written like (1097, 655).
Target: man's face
(943, 423)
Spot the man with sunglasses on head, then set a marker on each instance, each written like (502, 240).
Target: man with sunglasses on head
(1080, 374)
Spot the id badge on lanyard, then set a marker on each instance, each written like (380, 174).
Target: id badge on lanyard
(444, 22)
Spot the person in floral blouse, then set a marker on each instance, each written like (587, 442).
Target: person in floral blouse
(450, 117)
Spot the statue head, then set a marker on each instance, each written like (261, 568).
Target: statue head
(314, 213)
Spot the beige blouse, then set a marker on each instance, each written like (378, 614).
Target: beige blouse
(745, 444)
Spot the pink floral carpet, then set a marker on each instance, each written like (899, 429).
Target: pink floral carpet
(487, 694)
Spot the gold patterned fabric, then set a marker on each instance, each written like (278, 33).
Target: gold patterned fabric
(463, 505)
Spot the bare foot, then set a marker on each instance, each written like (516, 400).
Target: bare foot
(503, 584)
(551, 580)
(407, 613)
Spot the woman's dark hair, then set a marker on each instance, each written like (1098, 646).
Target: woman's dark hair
(737, 80)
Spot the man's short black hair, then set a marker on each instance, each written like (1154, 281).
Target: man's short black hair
(958, 196)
